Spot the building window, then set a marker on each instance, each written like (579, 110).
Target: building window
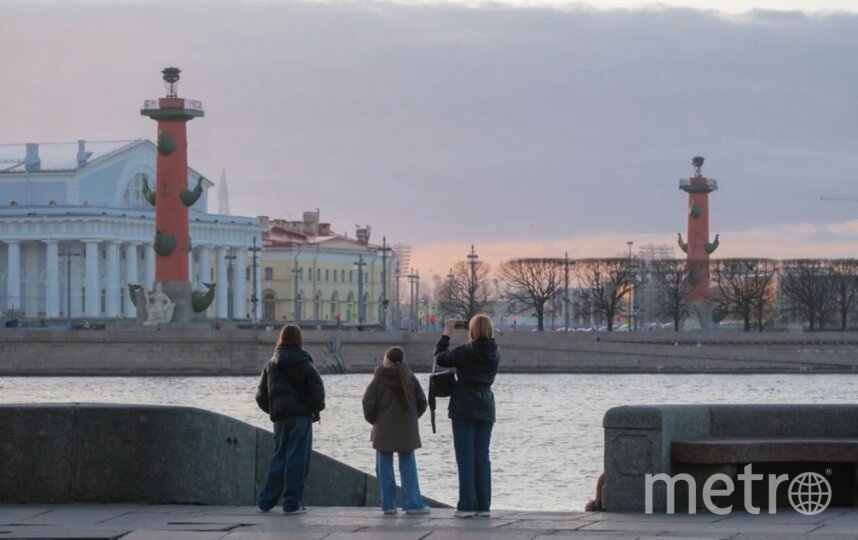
(133, 195)
(268, 303)
(351, 276)
(246, 273)
(269, 274)
(335, 275)
(327, 275)
(318, 274)
(309, 273)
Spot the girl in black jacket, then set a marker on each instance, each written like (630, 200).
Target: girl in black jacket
(472, 410)
(291, 392)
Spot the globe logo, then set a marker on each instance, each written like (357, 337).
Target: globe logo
(809, 493)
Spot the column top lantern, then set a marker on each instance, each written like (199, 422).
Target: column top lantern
(698, 183)
(172, 107)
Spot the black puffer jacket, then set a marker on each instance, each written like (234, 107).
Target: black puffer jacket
(290, 386)
(476, 365)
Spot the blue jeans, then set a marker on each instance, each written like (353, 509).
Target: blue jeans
(471, 440)
(290, 464)
(411, 499)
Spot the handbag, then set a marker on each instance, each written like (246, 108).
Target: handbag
(441, 384)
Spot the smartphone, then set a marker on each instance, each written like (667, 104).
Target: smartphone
(461, 325)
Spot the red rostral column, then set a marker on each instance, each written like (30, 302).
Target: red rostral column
(172, 196)
(171, 215)
(698, 247)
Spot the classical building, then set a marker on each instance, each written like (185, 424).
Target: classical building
(76, 230)
(311, 274)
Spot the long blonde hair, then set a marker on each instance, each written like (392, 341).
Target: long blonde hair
(480, 327)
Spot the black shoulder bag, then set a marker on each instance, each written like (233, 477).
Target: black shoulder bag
(441, 384)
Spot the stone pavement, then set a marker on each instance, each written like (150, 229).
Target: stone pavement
(142, 522)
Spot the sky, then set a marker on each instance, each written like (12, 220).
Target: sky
(525, 128)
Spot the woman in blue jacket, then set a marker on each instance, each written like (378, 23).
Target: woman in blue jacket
(472, 410)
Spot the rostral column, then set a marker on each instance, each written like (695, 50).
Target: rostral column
(172, 199)
(698, 247)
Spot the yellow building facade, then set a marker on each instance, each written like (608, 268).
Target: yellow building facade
(312, 276)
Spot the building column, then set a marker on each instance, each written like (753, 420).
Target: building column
(148, 267)
(92, 299)
(52, 280)
(131, 278)
(222, 286)
(13, 275)
(204, 271)
(239, 282)
(75, 278)
(30, 279)
(111, 286)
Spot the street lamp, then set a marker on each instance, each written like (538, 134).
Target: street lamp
(254, 300)
(361, 307)
(414, 282)
(631, 288)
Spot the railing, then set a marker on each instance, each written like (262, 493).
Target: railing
(191, 104)
(709, 182)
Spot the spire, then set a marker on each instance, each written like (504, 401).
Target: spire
(223, 195)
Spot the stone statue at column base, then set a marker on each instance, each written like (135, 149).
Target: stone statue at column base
(159, 307)
(702, 311)
(170, 302)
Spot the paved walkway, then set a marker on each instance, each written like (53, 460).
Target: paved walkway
(140, 522)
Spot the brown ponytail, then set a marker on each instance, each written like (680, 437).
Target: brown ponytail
(396, 356)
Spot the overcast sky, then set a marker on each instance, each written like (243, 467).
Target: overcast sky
(525, 130)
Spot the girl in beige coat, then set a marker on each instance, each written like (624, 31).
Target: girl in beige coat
(392, 403)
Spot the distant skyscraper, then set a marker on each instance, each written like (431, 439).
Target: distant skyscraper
(223, 195)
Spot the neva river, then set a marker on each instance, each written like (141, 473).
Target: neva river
(546, 445)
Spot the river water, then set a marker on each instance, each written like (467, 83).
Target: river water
(546, 446)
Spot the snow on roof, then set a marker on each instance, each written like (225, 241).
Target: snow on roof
(60, 156)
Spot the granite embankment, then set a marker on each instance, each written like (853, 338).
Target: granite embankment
(148, 454)
(197, 351)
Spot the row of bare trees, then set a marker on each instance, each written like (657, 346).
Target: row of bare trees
(820, 292)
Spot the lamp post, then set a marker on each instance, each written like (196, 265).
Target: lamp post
(414, 282)
(384, 301)
(451, 277)
(254, 300)
(631, 288)
(472, 290)
(566, 292)
(297, 273)
(68, 256)
(361, 307)
(397, 316)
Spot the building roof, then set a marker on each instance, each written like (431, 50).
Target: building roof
(61, 157)
(278, 237)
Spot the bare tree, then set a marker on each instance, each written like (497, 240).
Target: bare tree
(845, 278)
(605, 284)
(744, 287)
(466, 291)
(808, 286)
(531, 284)
(671, 278)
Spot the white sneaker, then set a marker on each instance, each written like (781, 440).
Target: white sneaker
(390, 512)
(418, 511)
(463, 514)
(483, 514)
